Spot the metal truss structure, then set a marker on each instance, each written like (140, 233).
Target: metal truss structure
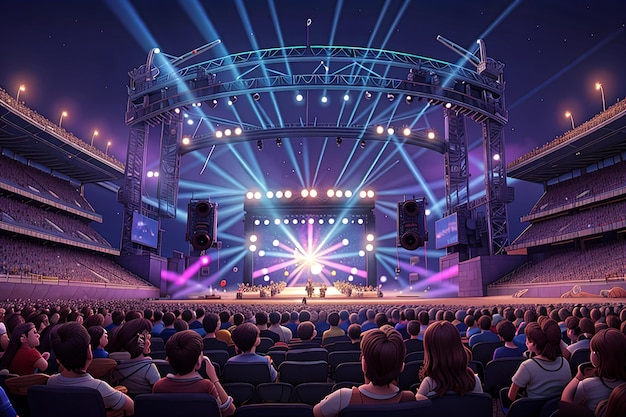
(161, 90)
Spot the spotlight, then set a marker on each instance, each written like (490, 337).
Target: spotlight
(232, 100)
(338, 140)
(380, 130)
(368, 95)
(391, 130)
(408, 99)
(259, 144)
(346, 97)
(431, 135)
(279, 142)
(391, 97)
(324, 99)
(406, 131)
(362, 144)
(256, 96)
(214, 103)
(299, 97)
(448, 105)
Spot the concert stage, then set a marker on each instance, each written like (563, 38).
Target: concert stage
(289, 294)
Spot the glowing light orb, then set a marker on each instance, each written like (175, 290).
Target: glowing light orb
(383, 279)
(361, 253)
(276, 222)
(257, 195)
(253, 238)
(350, 278)
(249, 195)
(261, 252)
(370, 237)
(331, 221)
(354, 271)
(369, 247)
(206, 260)
(257, 222)
(264, 271)
(252, 248)
(344, 220)
(345, 242)
(316, 269)
(333, 273)
(266, 278)
(266, 222)
(313, 193)
(275, 242)
(311, 220)
(348, 193)
(286, 273)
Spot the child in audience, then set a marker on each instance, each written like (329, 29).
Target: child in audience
(184, 353)
(138, 374)
(506, 331)
(247, 337)
(446, 363)
(99, 339)
(546, 373)
(71, 346)
(21, 356)
(382, 362)
(608, 357)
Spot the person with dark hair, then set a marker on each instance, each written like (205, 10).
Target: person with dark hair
(546, 373)
(210, 324)
(117, 318)
(157, 323)
(306, 333)
(485, 335)
(21, 356)
(382, 362)
(334, 330)
(99, 338)
(370, 320)
(261, 320)
(413, 344)
(247, 337)
(196, 325)
(71, 346)
(94, 320)
(284, 334)
(354, 333)
(168, 326)
(608, 357)
(138, 374)
(506, 331)
(344, 320)
(184, 354)
(446, 362)
(424, 318)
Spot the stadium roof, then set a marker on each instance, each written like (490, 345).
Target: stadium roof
(599, 138)
(39, 140)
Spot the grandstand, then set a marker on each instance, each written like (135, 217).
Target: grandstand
(47, 247)
(576, 240)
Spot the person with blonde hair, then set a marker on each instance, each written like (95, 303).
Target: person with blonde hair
(446, 363)
(592, 384)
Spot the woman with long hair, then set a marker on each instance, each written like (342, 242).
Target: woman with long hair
(446, 363)
(547, 372)
(21, 356)
(594, 384)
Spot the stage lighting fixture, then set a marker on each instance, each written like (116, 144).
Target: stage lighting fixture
(279, 142)
(201, 224)
(362, 143)
(390, 130)
(380, 130)
(368, 95)
(324, 99)
(232, 100)
(256, 96)
(448, 105)
(299, 97)
(259, 144)
(406, 131)
(214, 103)
(431, 135)
(338, 140)
(346, 97)
(391, 97)
(408, 99)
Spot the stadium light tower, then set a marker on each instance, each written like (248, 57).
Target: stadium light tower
(95, 133)
(63, 114)
(23, 88)
(599, 87)
(568, 114)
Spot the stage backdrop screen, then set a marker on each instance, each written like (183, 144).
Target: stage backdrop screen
(309, 247)
(145, 231)
(447, 231)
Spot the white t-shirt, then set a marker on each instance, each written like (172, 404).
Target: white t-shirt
(112, 398)
(541, 378)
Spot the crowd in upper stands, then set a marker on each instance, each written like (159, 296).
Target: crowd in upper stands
(48, 125)
(582, 187)
(613, 110)
(24, 257)
(574, 352)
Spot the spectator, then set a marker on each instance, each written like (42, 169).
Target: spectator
(99, 339)
(413, 344)
(210, 324)
(138, 374)
(506, 331)
(485, 335)
(306, 333)
(70, 344)
(247, 337)
(446, 362)
(157, 323)
(184, 354)
(284, 334)
(334, 330)
(21, 356)
(354, 333)
(261, 322)
(616, 404)
(547, 372)
(608, 357)
(383, 356)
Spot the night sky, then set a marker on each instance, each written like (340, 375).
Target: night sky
(75, 56)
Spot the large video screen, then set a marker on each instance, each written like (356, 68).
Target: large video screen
(447, 231)
(145, 231)
(300, 248)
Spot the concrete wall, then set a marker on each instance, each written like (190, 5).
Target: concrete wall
(72, 291)
(476, 273)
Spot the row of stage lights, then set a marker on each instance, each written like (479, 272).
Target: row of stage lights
(331, 221)
(369, 246)
(306, 193)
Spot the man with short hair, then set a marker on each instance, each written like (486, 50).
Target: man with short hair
(334, 330)
(284, 334)
(485, 335)
(261, 322)
(247, 337)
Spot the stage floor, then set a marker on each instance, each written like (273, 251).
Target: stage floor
(295, 295)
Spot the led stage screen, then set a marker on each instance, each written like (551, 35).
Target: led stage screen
(298, 248)
(145, 231)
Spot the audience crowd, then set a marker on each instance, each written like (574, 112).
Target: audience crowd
(62, 338)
